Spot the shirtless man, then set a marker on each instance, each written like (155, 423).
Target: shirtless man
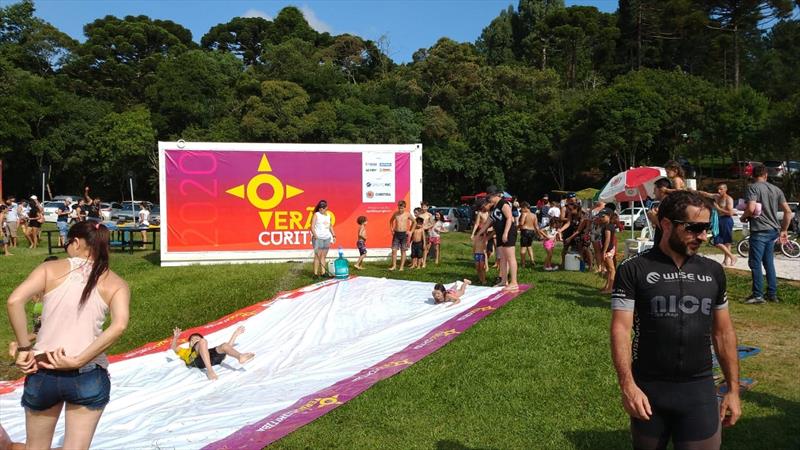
(428, 222)
(399, 225)
(529, 229)
(723, 204)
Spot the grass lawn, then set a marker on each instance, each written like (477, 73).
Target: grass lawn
(535, 374)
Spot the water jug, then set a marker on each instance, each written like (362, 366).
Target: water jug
(341, 266)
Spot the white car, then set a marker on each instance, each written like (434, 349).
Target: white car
(50, 209)
(450, 217)
(630, 216)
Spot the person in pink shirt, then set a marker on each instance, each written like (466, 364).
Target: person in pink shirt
(67, 364)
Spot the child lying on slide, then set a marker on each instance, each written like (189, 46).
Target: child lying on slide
(442, 295)
(199, 355)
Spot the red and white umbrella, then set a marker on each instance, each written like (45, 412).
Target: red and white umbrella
(636, 183)
(631, 185)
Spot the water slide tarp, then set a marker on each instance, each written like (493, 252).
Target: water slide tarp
(316, 348)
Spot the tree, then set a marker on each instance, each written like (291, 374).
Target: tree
(242, 36)
(777, 72)
(31, 43)
(119, 57)
(119, 143)
(195, 87)
(741, 16)
(276, 115)
(289, 24)
(496, 42)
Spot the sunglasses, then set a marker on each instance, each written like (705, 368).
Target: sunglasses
(68, 243)
(694, 227)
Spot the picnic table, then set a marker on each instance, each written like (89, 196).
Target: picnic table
(125, 237)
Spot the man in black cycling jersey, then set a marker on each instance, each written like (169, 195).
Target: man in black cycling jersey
(676, 303)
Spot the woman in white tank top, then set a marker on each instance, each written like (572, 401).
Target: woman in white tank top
(322, 236)
(67, 364)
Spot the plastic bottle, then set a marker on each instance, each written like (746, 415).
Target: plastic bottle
(341, 266)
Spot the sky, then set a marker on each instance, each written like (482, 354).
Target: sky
(407, 25)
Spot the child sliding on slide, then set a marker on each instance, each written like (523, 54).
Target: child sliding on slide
(199, 355)
(442, 295)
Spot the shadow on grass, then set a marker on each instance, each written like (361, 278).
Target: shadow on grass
(455, 445)
(153, 258)
(778, 430)
(592, 439)
(584, 296)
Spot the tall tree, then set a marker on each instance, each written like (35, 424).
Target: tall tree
(195, 87)
(242, 36)
(119, 57)
(31, 43)
(742, 16)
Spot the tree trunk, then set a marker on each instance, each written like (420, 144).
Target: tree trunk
(725, 66)
(639, 36)
(544, 56)
(736, 57)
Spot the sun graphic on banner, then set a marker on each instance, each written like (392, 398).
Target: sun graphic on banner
(329, 401)
(250, 191)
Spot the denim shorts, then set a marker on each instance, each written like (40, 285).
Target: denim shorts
(47, 388)
(63, 229)
(321, 244)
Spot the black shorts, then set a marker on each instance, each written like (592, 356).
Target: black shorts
(686, 412)
(417, 248)
(34, 224)
(526, 238)
(400, 240)
(215, 357)
(512, 237)
(362, 247)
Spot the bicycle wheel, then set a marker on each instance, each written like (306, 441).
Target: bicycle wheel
(743, 247)
(791, 249)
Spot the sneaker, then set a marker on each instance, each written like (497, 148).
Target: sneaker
(753, 300)
(772, 298)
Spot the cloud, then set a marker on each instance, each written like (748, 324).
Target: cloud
(314, 21)
(256, 13)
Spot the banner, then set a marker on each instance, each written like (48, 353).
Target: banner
(240, 202)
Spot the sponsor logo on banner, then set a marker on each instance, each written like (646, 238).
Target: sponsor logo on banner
(474, 311)
(374, 370)
(435, 337)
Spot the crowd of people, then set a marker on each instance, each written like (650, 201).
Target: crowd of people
(27, 217)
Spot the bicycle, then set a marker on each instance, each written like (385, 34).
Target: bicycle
(790, 249)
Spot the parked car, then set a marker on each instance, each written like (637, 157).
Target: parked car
(793, 167)
(50, 209)
(741, 169)
(127, 212)
(155, 215)
(776, 169)
(74, 198)
(450, 217)
(633, 215)
(107, 208)
(465, 216)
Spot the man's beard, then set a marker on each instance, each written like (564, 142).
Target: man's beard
(678, 246)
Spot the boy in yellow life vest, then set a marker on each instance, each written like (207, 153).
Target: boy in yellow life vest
(199, 355)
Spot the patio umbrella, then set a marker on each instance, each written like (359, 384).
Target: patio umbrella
(631, 185)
